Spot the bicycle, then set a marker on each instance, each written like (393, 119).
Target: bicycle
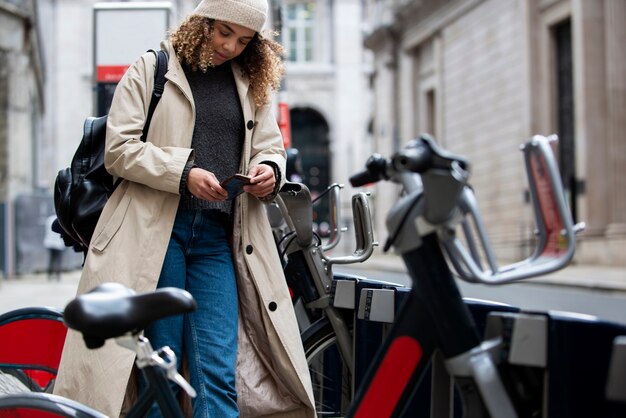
(435, 327)
(113, 311)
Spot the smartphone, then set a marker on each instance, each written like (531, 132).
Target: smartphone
(234, 185)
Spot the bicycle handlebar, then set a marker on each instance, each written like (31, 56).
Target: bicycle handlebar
(376, 167)
(443, 201)
(419, 156)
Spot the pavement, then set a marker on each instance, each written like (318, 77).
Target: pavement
(592, 277)
(36, 290)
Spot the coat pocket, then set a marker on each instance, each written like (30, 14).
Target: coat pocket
(112, 225)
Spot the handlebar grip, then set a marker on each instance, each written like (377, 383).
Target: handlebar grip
(375, 169)
(363, 178)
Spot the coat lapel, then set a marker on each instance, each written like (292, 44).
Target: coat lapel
(176, 75)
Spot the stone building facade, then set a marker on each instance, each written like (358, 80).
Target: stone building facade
(46, 92)
(483, 76)
(327, 90)
(22, 106)
(368, 75)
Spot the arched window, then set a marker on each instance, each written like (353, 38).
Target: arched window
(309, 131)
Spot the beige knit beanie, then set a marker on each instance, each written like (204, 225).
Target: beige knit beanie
(247, 13)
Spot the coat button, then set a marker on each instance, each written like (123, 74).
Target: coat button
(248, 249)
(250, 124)
(272, 306)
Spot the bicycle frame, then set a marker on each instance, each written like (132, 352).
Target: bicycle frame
(156, 368)
(434, 316)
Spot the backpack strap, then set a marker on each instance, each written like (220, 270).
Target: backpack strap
(159, 86)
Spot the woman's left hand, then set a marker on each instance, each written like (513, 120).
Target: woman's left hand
(263, 180)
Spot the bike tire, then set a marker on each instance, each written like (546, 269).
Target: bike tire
(331, 378)
(40, 405)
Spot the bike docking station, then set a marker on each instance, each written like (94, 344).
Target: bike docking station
(378, 349)
(376, 304)
(565, 355)
(550, 364)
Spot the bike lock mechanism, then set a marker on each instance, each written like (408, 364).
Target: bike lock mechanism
(294, 204)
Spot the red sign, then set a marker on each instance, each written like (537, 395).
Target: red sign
(110, 73)
(284, 123)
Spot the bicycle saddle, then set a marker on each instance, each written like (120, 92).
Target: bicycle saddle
(111, 310)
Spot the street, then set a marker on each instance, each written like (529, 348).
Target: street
(36, 290)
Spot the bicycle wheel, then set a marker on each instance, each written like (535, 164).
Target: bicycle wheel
(331, 378)
(43, 405)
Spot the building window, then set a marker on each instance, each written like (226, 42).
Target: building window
(562, 36)
(298, 29)
(431, 120)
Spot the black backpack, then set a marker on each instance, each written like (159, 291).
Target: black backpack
(82, 189)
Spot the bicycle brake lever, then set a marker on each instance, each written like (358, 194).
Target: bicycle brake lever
(167, 359)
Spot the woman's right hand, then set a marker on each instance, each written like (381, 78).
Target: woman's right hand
(204, 185)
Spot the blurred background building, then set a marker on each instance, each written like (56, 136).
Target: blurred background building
(363, 76)
(24, 197)
(483, 76)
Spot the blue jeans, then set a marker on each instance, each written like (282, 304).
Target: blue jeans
(199, 260)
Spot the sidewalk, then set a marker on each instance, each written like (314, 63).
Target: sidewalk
(592, 277)
(36, 290)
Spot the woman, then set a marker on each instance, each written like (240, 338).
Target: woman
(169, 223)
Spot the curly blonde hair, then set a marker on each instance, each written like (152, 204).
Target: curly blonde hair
(260, 61)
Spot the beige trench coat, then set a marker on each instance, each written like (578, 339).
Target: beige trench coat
(130, 241)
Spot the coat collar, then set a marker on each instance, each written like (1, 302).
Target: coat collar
(176, 75)
(175, 72)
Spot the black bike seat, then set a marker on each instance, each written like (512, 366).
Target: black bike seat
(111, 310)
